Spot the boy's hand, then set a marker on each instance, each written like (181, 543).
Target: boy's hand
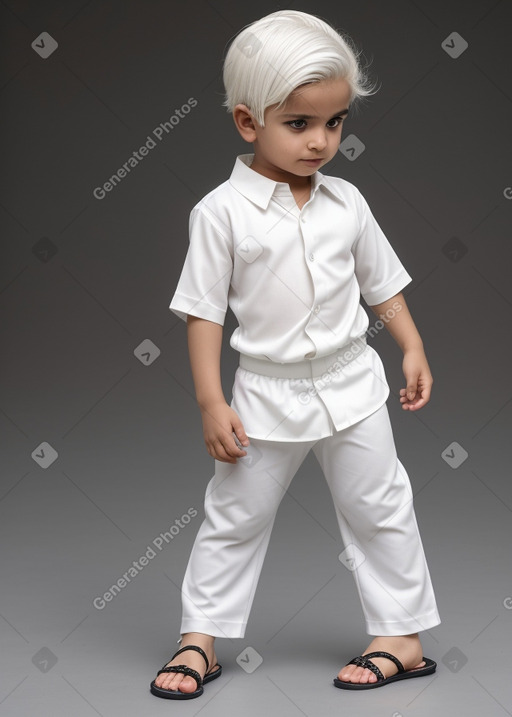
(419, 380)
(219, 424)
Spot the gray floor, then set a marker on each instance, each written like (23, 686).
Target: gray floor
(102, 449)
(62, 656)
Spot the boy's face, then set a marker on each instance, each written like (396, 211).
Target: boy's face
(301, 136)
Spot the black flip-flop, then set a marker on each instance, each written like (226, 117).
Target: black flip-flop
(185, 670)
(363, 661)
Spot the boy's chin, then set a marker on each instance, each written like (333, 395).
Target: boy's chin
(305, 170)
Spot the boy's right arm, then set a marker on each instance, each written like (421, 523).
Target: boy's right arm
(219, 419)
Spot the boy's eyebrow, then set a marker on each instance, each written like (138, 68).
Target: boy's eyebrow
(298, 115)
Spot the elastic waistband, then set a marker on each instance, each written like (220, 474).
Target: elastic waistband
(309, 368)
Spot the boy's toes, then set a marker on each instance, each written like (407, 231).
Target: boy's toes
(365, 676)
(176, 681)
(186, 684)
(345, 674)
(353, 673)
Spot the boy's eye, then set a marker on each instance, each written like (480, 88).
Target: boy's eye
(301, 123)
(295, 123)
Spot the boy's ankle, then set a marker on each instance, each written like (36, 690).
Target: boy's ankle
(189, 637)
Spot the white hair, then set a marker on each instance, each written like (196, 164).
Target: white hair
(273, 56)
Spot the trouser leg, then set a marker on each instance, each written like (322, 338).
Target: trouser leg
(374, 507)
(227, 556)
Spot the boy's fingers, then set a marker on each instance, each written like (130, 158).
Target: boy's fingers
(226, 449)
(412, 387)
(233, 449)
(421, 399)
(240, 432)
(219, 452)
(425, 394)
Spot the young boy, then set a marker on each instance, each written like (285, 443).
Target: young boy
(291, 251)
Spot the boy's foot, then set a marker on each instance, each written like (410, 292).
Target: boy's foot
(191, 658)
(407, 648)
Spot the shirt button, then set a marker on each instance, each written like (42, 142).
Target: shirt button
(316, 309)
(303, 220)
(312, 257)
(310, 355)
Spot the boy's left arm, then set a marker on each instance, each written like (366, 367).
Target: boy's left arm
(415, 365)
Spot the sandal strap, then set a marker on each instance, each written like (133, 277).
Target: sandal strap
(192, 647)
(185, 670)
(389, 656)
(362, 661)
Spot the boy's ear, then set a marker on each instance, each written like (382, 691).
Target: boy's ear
(245, 122)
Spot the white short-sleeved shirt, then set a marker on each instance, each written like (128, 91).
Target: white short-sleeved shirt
(293, 279)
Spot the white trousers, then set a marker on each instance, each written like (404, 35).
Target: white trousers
(374, 507)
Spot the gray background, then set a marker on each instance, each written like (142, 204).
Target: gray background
(85, 281)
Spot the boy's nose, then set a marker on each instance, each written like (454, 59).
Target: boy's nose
(317, 141)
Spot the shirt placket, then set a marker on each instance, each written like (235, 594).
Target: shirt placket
(314, 325)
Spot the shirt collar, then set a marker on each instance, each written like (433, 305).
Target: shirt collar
(259, 189)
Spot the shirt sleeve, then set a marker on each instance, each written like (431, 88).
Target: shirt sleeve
(203, 286)
(379, 271)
